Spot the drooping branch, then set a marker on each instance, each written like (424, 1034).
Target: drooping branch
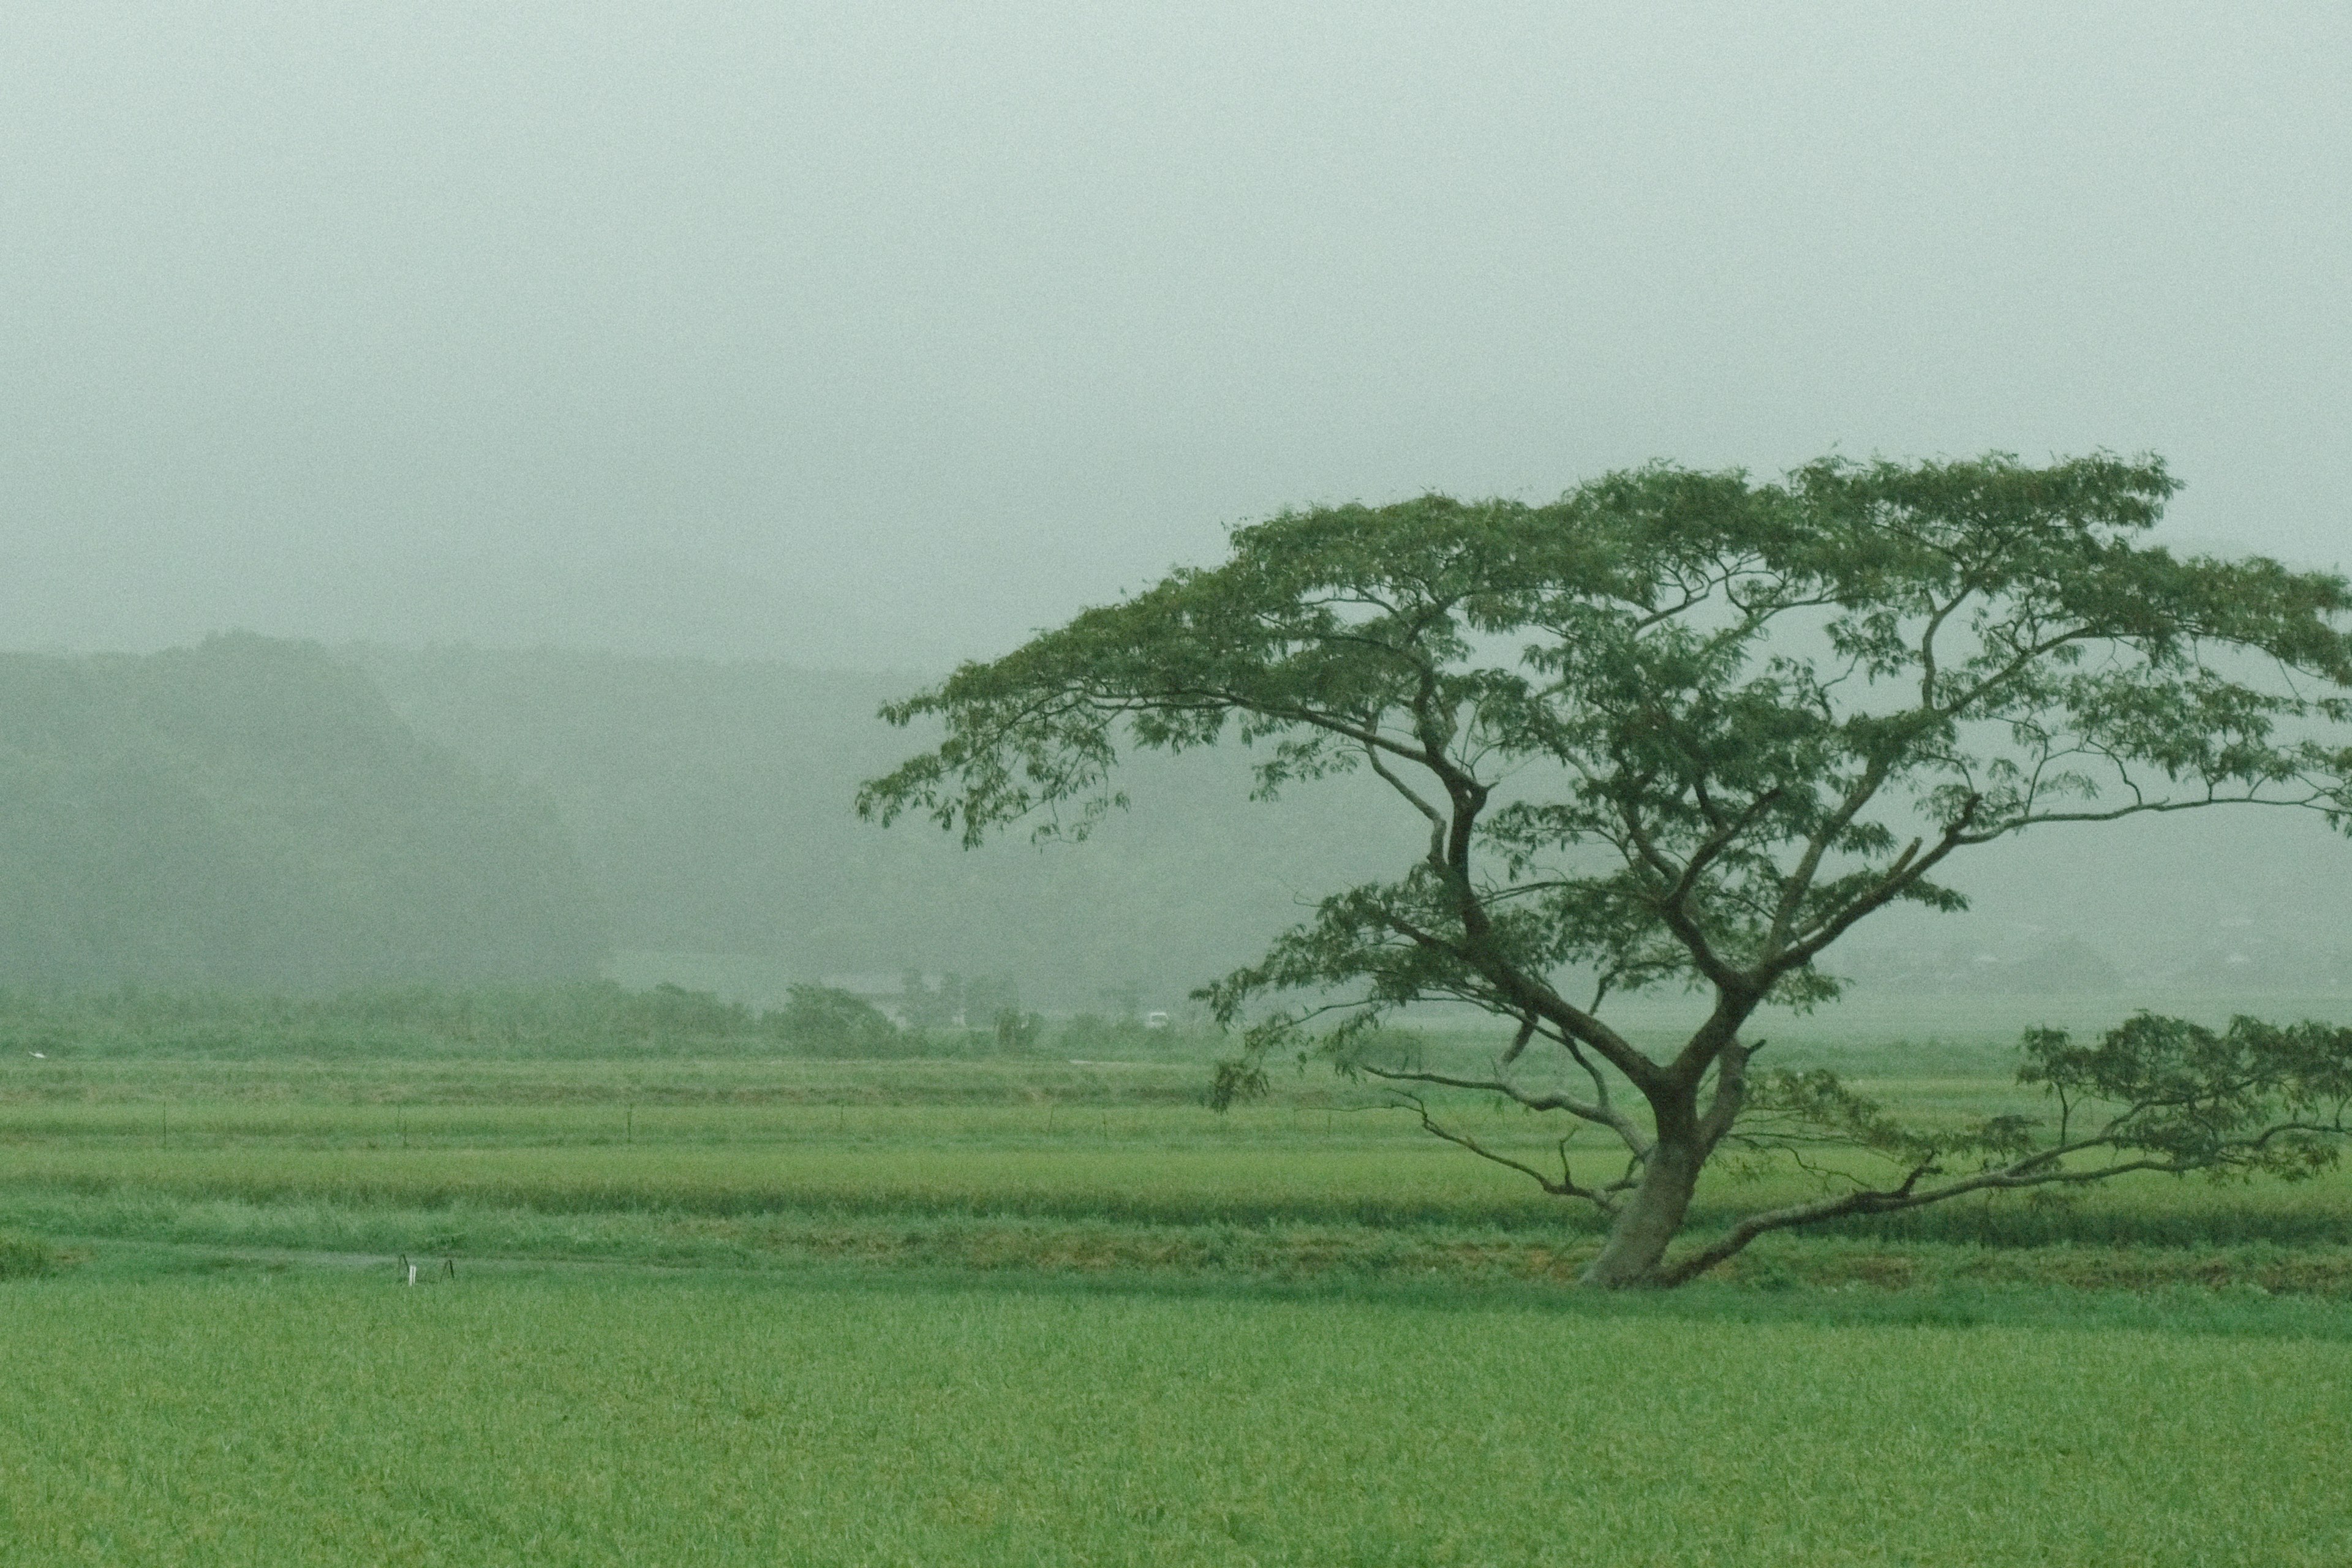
(1565, 1185)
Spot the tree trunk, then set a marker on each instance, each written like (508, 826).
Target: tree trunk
(1651, 1218)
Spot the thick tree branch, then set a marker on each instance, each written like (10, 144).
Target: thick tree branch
(1906, 1196)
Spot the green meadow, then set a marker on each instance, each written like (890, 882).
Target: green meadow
(681, 1304)
(326, 1417)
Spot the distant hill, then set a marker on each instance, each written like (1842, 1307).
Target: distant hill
(710, 802)
(250, 814)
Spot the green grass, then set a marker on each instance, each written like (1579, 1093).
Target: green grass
(1168, 1193)
(23, 1257)
(339, 1079)
(338, 1234)
(1108, 1186)
(1115, 1161)
(743, 1309)
(320, 1419)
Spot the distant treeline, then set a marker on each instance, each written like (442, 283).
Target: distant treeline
(252, 814)
(581, 1020)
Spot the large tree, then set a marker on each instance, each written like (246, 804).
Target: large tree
(1685, 729)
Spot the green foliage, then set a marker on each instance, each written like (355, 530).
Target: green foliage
(1016, 1030)
(929, 1004)
(830, 1022)
(2252, 1098)
(250, 814)
(1787, 1110)
(954, 1001)
(1675, 731)
(2153, 1093)
(1653, 655)
(583, 1020)
(1233, 1079)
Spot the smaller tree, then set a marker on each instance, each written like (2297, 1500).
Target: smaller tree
(1682, 729)
(1017, 1031)
(930, 1006)
(827, 1021)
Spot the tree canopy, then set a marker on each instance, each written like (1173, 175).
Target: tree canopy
(1686, 729)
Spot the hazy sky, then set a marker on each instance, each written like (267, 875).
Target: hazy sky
(880, 334)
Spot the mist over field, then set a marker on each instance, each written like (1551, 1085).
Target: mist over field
(589, 417)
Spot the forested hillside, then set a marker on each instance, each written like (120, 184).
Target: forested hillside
(714, 802)
(711, 802)
(250, 814)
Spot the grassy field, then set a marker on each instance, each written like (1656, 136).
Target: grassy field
(700, 1419)
(679, 1308)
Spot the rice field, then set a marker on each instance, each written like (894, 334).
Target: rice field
(332, 1419)
(1109, 1161)
(715, 1311)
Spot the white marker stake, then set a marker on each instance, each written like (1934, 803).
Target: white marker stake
(412, 1274)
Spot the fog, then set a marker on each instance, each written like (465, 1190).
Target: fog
(872, 337)
(867, 339)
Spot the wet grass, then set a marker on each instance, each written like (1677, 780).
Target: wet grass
(1137, 1166)
(337, 1418)
(899, 1241)
(982, 1167)
(981, 1312)
(24, 1257)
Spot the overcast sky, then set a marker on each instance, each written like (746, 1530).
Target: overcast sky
(876, 335)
